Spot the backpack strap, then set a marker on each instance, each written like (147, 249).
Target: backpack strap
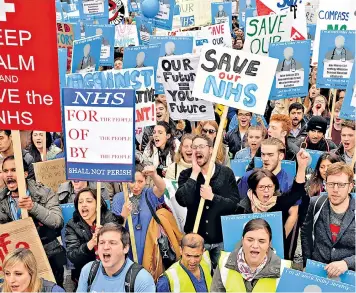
(130, 277)
(318, 206)
(93, 270)
(175, 171)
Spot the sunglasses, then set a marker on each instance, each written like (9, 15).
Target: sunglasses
(210, 131)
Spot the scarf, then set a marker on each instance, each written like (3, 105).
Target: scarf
(245, 269)
(258, 206)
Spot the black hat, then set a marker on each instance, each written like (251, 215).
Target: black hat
(317, 123)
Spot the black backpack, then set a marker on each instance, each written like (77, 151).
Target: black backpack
(129, 278)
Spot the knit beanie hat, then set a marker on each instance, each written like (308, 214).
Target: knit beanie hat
(317, 123)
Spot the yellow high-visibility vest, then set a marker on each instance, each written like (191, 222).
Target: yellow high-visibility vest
(233, 281)
(179, 280)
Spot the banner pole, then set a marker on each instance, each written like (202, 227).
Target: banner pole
(332, 112)
(98, 203)
(211, 166)
(44, 153)
(131, 229)
(21, 182)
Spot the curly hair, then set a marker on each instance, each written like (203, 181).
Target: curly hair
(284, 120)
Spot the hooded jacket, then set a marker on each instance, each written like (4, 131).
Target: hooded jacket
(324, 145)
(270, 270)
(78, 234)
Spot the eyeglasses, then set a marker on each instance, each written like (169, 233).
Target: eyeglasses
(263, 187)
(246, 114)
(210, 131)
(339, 184)
(200, 147)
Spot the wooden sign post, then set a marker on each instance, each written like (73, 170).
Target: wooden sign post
(333, 94)
(211, 166)
(44, 143)
(21, 182)
(130, 224)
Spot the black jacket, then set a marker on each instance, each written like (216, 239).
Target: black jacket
(234, 141)
(78, 234)
(301, 135)
(224, 203)
(29, 160)
(323, 249)
(324, 145)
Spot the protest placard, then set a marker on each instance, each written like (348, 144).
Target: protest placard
(117, 11)
(318, 268)
(336, 59)
(164, 17)
(314, 155)
(239, 166)
(179, 212)
(23, 234)
(142, 56)
(107, 34)
(311, 35)
(51, 173)
(221, 13)
(92, 9)
(177, 74)
(263, 30)
(333, 17)
(171, 45)
(348, 108)
(292, 69)
(62, 64)
(66, 34)
(60, 15)
(232, 77)
(134, 5)
(144, 29)
(297, 10)
(195, 12)
(86, 55)
(232, 227)
(99, 134)
(311, 11)
(126, 35)
(243, 6)
(297, 281)
(29, 96)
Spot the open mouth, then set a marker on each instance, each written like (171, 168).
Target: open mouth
(156, 141)
(106, 257)
(159, 115)
(14, 287)
(189, 155)
(11, 183)
(84, 212)
(199, 156)
(346, 145)
(254, 253)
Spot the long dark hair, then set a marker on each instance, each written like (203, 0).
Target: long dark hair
(315, 182)
(257, 175)
(34, 151)
(169, 148)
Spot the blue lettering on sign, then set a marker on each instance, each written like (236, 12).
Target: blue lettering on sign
(226, 89)
(334, 15)
(286, 3)
(201, 42)
(187, 21)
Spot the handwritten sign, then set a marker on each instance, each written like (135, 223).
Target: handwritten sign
(51, 173)
(23, 234)
(348, 108)
(126, 35)
(232, 77)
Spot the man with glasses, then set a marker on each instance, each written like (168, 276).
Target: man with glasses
(235, 138)
(221, 197)
(328, 233)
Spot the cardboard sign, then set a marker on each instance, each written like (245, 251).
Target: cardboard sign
(92, 9)
(239, 166)
(297, 9)
(177, 74)
(233, 78)
(117, 11)
(333, 17)
(107, 34)
(297, 281)
(164, 17)
(348, 108)
(126, 35)
(336, 59)
(29, 94)
(221, 13)
(318, 268)
(139, 79)
(23, 234)
(145, 28)
(244, 5)
(263, 30)
(314, 155)
(232, 227)
(62, 63)
(292, 69)
(99, 134)
(51, 173)
(86, 55)
(171, 46)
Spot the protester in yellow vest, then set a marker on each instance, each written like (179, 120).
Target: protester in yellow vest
(192, 273)
(253, 266)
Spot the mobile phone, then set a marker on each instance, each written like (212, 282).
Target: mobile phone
(303, 145)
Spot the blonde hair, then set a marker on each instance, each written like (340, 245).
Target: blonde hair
(28, 259)
(178, 154)
(220, 157)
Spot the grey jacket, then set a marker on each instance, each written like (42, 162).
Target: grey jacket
(66, 192)
(322, 249)
(46, 213)
(271, 270)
